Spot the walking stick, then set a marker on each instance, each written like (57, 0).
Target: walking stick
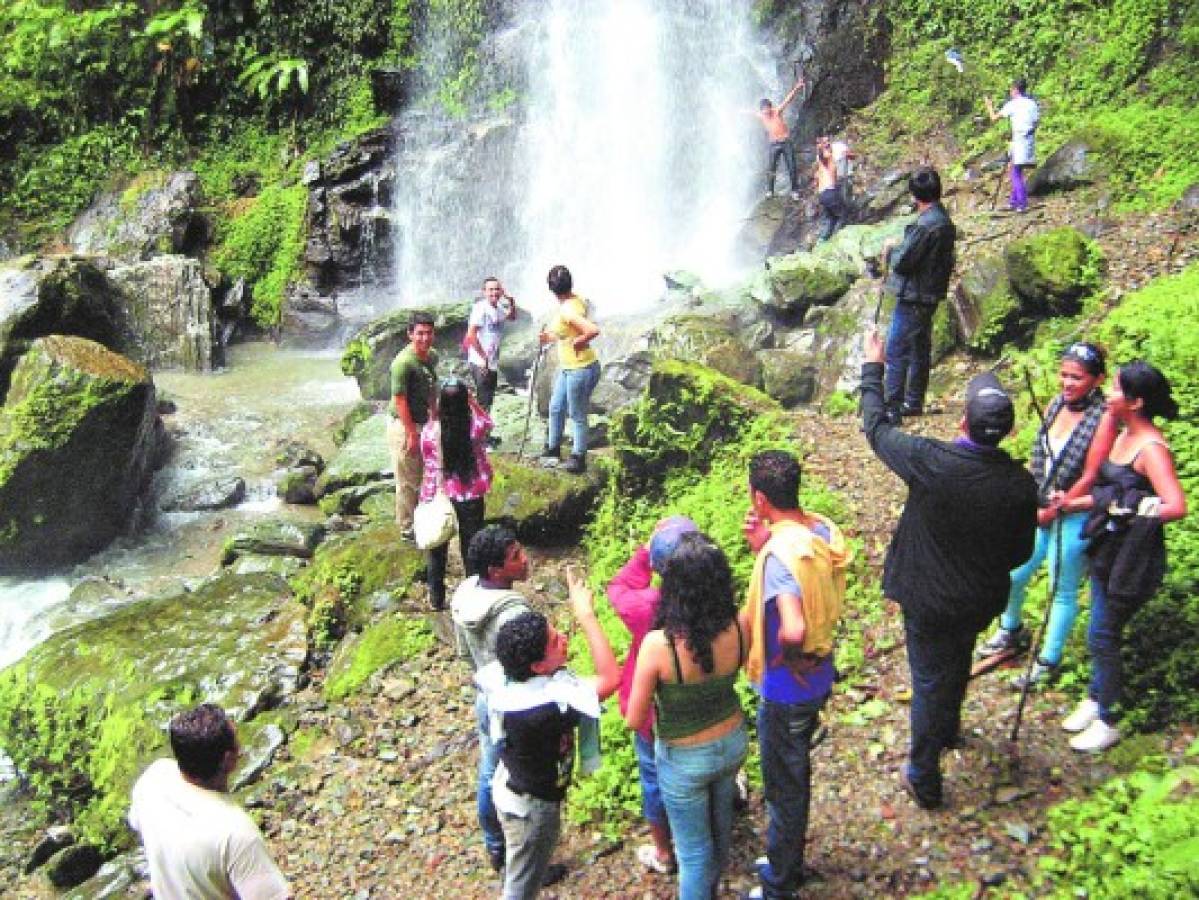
(999, 181)
(524, 438)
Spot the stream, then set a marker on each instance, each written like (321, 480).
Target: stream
(225, 425)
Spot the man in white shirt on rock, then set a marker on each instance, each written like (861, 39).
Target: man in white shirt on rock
(1025, 115)
(200, 844)
(484, 330)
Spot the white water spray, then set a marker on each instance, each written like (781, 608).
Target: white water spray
(635, 153)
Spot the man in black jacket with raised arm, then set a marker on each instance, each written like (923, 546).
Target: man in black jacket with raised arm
(969, 519)
(918, 273)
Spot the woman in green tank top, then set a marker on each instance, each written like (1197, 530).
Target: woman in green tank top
(687, 669)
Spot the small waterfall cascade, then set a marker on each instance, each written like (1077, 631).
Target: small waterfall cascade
(629, 149)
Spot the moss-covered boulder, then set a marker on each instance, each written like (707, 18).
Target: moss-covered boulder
(170, 307)
(79, 437)
(685, 415)
(347, 570)
(988, 312)
(707, 341)
(40, 296)
(788, 376)
(155, 213)
(545, 506)
(1074, 164)
(392, 640)
(363, 458)
(274, 538)
(85, 710)
(1053, 270)
(348, 501)
(369, 354)
(805, 279)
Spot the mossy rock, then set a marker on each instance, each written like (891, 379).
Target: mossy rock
(361, 411)
(369, 354)
(805, 279)
(393, 640)
(381, 506)
(101, 691)
(544, 506)
(987, 311)
(707, 341)
(788, 376)
(274, 538)
(685, 415)
(73, 407)
(1053, 270)
(348, 501)
(362, 459)
(298, 486)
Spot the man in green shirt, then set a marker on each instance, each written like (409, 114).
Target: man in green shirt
(413, 381)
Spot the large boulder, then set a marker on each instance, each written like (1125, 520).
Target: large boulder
(1074, 164)
(708, 341)
(788, 376)
(362, 459)
(988, 312)
(545, 506)
(1053, 270)
(156, 213)
(40, 296)
(805, 279)
(170, 306)
(369, 354)
(79, 437)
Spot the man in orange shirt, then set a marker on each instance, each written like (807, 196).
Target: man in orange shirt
(779, 135)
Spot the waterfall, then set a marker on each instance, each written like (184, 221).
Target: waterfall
(630, 150)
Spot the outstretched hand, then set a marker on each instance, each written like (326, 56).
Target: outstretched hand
(872, 346)
(582, 601)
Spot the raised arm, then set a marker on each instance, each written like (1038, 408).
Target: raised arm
(582, 604)
(791, 94)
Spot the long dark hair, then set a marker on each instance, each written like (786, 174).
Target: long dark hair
(457, 451)
(1141, 381)
(697, 596)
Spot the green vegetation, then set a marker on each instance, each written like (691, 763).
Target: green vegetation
(391, 641)
(1122, 73)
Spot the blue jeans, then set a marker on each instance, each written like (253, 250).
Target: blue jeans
(1065, 599)
(489, 757)
(909, 356)
(572, 393)
(1105, 637)
(784, 735)
(939, 659)
(652, 806)
(699, 787)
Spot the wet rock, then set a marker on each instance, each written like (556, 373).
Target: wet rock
(259, 746)
(219, 494)
(307, 317)
(170, 308)
(1051, 271)
(274, 538)
(362, 459)
(73, 865)
(349, 501)
(361, 411)
(707, 341)
(804, 279)
(988, 313)
(788, 376)
(124, 878)
(40, 296)
(73, 407)
(298, 485)
(1071, 165)
(157, 213)
(56, 838)
(368, 356)
(283, 566)
(544, 506)
(290, 454)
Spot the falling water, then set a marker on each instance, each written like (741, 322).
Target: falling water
(630, 150)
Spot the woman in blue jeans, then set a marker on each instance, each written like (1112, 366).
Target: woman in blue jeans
(1135, 492)
(578, 370)
(1058, 457)
(687, 669)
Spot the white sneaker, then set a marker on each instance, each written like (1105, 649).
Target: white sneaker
(1098, 737)
(1084, 714)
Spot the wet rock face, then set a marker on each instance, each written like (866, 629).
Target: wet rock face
(40, 296)
(79, 435)
(158, 213)
(1072, 165)
(171, 310)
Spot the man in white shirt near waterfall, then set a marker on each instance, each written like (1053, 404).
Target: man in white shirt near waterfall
(200, 844)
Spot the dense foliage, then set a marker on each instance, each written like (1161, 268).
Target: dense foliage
(1123, 73)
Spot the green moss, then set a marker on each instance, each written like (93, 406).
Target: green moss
(382, 644)
(139, 186)
(1055, 268)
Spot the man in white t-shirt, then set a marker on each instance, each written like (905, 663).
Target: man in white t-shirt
(199, 843)
(1025, 115)
(484, 330)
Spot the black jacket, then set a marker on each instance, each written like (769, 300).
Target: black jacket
(970, 518)
(920, 266)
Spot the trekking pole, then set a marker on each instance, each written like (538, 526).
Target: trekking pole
(524, 438)
(999, 182)
(1038, 635)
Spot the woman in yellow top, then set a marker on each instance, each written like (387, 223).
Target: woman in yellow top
(578, 370)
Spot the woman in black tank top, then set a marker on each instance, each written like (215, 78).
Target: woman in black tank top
(1135, 491)
(688, 668)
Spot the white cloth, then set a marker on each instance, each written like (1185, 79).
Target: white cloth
(841, 158)
(1024, 115)
(199, 843)
(489, 320)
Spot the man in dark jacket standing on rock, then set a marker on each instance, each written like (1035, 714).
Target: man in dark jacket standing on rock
(969, 519)
(918, 273)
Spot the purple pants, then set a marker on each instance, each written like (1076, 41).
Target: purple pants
(1019, 192)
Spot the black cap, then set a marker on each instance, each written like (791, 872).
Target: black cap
(989, 411)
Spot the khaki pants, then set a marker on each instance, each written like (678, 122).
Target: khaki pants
(409, 471)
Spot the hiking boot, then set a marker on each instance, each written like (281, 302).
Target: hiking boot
(1012, 641)
(554, 873)
(1084, 714)
(1097, 738)
(923, 802)
(576, 465)
(550, 457)
(1042, 674)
